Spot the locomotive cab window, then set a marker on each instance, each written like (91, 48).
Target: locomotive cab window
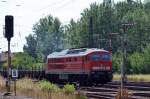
(103, 57)
(95, 57)
(106, 57)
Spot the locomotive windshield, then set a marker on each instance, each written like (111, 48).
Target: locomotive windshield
(106, 57)
(95, 57)
(103, 57)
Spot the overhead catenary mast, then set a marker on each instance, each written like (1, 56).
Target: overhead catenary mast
(90, 44)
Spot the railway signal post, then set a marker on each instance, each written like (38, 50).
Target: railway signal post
(124, 46)
(9, 24)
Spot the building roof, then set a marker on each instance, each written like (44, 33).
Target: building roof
(74, 52)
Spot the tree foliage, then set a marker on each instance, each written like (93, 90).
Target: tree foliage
(48, 36)
(30, 47)
(23, 61)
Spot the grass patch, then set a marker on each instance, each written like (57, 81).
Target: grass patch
(135, 77)
(43, 90)
(2, 84)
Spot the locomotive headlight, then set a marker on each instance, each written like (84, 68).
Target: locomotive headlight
(102, 67)
(96, 68)
(107, 67)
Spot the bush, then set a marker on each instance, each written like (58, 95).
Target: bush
(137, 62)
(116, 60)
(69, 88)
(47, 86)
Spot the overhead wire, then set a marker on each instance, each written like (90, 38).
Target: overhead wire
(60, 5)
(53, 4)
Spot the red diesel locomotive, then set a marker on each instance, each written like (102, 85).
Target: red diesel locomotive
(85, 65)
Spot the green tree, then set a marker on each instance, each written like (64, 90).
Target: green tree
(30, 47)
(146, 63)
(117, 62)
(23, 60)
(48, 37)
(140, 62)
(138, 34)
(136, 61)
(102, 25)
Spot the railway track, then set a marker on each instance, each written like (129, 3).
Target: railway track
(134, 90)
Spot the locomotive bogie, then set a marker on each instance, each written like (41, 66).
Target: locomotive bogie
(95, 77)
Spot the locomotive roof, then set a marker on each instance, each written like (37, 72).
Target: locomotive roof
(74, 52)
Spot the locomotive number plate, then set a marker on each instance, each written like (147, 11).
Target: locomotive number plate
(63, 76)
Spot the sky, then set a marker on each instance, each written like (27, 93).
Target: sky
(28, 12)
